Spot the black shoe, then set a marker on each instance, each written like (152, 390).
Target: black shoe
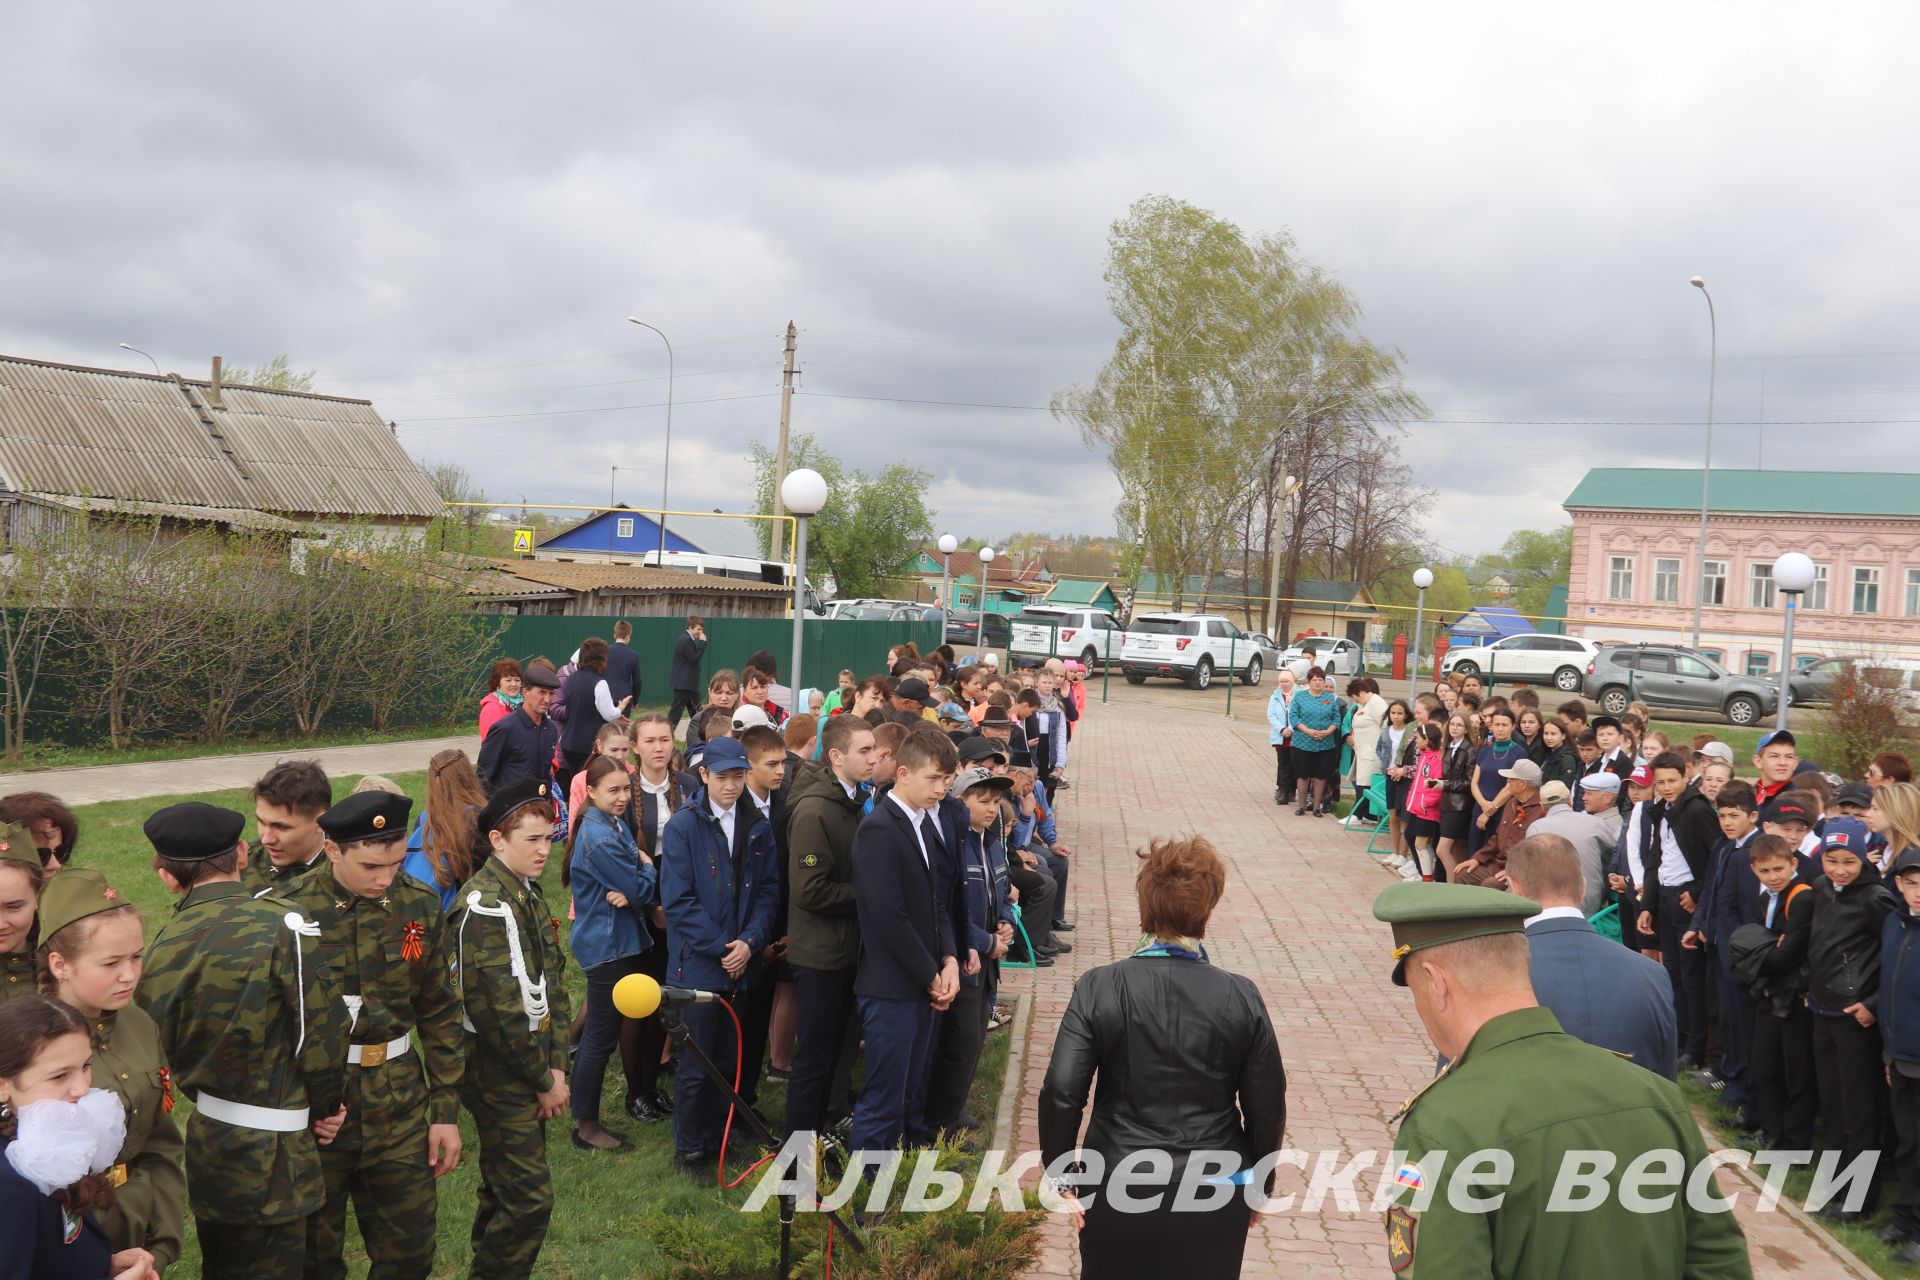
(965, 1122)
(697, 1164)
(1893, 1233)
(643, 1108)
(1278, 799)
(778, 1073)
(584, 1145)
(1061, 947)
(1300, 812)
(663, 1100)
(1758, 1139)
(1708, 1080)
(1063, 928)
(1836, 1215)
(1686, 1062)
(1907, 1254)
(1043, 962)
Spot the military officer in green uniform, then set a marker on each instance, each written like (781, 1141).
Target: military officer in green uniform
(384, 941)
(508, 970)
(257, 1039)
(1521, 1094)
(287, 803)
(90, 958)
(21, 878)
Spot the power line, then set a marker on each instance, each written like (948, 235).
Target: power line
(605, 408)
(572, 386)
(544, 364)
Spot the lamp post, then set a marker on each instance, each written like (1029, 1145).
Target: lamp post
(1273, 563)
(986, 567)
(666, 450)
(948, 545)
(1706, 466)
(127, 346)
(1422, 579)
(804, 492)
(1792, 574)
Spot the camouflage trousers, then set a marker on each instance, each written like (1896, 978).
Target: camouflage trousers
(516, 1187)
(249, 1251)
(393, 1199)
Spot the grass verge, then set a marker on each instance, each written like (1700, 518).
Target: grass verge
(627, 1213)
(54, 756)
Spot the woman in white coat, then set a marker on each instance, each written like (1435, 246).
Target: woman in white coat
(1369, 722)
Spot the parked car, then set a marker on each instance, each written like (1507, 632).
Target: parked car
(1819, 681)
(1560, 661)
(964, 628)
(1063, 631)
(1336, 657)
(1663, 675)
(1191, 647)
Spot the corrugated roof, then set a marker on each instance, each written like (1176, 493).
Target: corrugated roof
(1079, 590)
(590, 576)
(107, 433)
(237, 517)
(1850, 493)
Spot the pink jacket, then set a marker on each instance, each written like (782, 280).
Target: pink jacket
(492, 712)
(1423, 801)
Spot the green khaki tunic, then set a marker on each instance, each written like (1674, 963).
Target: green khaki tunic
(496, 915)
(261, 874)
(19, 979)
(391, 952)
(150, 1206)
(1525, 1086)
(246, 1014)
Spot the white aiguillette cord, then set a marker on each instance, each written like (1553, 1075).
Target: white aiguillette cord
(303, 928)
(533, 995)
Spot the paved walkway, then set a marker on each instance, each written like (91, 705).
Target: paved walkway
(1296, 919)
(220, 773)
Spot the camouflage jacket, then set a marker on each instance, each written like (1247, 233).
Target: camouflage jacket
(246, 1014)
(500, 921)
(391, 953)
(150, 1205)
(261, 874)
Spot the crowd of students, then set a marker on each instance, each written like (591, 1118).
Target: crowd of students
(849, 878)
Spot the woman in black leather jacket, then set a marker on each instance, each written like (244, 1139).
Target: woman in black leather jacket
(1462, 744)
(1188, 1063)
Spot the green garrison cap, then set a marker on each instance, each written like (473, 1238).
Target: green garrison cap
(1429, 915)
(75, 894)
(16, 843)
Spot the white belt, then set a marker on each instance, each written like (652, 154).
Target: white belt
(374, 1055)
(246, 1116)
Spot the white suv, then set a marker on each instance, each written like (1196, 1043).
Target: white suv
(1191, 647)
(1061, 631)
(1560, 661)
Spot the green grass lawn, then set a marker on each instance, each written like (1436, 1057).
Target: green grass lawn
(56, 756)
(623, 1213)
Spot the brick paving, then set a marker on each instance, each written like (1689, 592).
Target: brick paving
(1296, 919)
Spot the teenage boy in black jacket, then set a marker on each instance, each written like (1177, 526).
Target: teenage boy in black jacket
(1781, 1061)
(1677, 843)
(908, 958)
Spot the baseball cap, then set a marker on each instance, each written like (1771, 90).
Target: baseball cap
(1716, 751)
(1523, 771)
(978, 748)
(968, 779)
(914, 689)
(954, 711)
(1554, 793)
(1780, 810)
(1854, 793)
(1642, 776)
(1850, 834)
(722, 755)
(747, 716)
(1777, 735)
(1606, 780)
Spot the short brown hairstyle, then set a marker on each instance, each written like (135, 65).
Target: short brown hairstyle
(188, 874)
(1894, 766)
(1737, 795)
(1179, 885)
(299, 785)
(505, 669)
(593, 654)
(725, 678)
(623, 630)
(1573, 709)
(889, 736)
(717, 722)
(1771, 849)
(695, 620)
(925, 745)
(762, 739)
(801, 730)
(29, 807)
(839, 731)
(1548, 866)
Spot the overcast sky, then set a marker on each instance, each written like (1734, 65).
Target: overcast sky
(450, 209)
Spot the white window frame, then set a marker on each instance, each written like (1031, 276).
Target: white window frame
(1760, 591)
(623, 527)
(1718, 578)
(1866, 576)
(1816, 595)
(1620, 577)
(1913, 593)
(1666, 580)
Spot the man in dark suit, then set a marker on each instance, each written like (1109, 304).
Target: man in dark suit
(623, 664)
(1603, 994)
(908, 953)
(688, 650)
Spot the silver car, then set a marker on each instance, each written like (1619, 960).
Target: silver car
(1672, 677)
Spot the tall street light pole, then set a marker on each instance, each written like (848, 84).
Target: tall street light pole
(1706, 466)
(986, 571)
(1422, 578)
(803, 492)
(1792, 574)
(666, 451)
(137, 351)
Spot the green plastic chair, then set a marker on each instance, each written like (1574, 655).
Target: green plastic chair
(1020, 927)
(1376, 799)
(1606, 922)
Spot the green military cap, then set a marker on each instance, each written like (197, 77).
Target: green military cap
(1429, 915)
(75, 894)
(16, 842)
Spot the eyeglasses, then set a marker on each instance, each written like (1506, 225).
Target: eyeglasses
(50, 855)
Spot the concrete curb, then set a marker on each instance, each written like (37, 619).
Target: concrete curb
(1003, 1130)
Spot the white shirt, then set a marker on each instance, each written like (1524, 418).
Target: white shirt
(916, 817)
(765, 806)
(1674, 871)
(725, 818)
(655, 795)
(1556, 913)
(851, 788)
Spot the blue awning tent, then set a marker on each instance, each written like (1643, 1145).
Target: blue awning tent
(1488, 623)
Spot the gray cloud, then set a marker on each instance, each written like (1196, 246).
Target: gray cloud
(1517, 196)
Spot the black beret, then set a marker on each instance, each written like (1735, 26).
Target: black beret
(367, 815)
(194, 832)
(511, 797)
(539, 678)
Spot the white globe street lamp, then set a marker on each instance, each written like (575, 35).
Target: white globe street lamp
(948, 544)
(1422, 579)
(803, 493)
(986, 565)
(1793, 574)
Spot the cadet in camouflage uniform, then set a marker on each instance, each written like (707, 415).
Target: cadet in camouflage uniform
(383, 939)
(1519, 1085)
(257, 1039)
(90, 959)
(287, 804)
(20, 881)
(508, 970)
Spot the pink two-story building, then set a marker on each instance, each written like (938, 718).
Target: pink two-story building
(1636, 561)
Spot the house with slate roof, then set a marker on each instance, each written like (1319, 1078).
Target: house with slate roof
(1636, 562)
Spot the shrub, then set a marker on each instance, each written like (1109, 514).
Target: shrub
(1863, 720)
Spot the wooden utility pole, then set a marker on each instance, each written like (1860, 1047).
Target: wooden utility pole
(780, 457)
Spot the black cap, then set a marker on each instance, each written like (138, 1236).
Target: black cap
(977, 748)
(914, 689)
(1604, 722)
(367, 815)
(1780, 810)
(194, 832)
(511, 797)
(539, 678)
(1854, 793)
(996, 715)
(1022, 760)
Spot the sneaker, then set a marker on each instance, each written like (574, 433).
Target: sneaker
(1350, 821)
(1408, 871)
(998, 1018)
(643, 1108)
(778, 1073)
(1708, 1080)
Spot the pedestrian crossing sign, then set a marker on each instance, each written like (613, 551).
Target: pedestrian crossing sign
(523, 539)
